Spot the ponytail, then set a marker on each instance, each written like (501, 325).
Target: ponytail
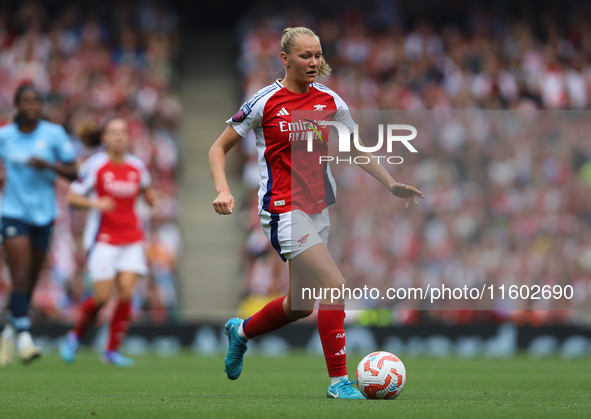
(89, 132)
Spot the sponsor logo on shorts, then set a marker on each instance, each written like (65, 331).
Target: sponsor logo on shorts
(340, 335)
(303, 240)
(280, 203)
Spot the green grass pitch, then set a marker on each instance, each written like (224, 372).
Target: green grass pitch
(188, 386)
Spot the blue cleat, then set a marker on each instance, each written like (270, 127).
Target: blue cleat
(70, 347)
(236, 349)
(344, 390)
(115, 358)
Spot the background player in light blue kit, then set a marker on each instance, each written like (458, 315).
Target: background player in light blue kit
(33, 152)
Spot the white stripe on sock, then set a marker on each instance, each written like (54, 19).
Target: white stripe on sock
(241, 332)
(334, 380)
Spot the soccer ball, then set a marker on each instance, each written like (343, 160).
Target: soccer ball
(380, 375)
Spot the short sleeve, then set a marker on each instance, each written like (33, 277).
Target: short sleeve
(64, 147)
(145, 178)
(138, 164)
(343, 114)
(86, 181)
(248, 117)
(2, 141)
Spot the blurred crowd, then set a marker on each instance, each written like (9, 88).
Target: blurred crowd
(504, 161)
(90, 64)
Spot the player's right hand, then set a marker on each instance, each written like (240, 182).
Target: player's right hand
(224, 203)
(105, 204)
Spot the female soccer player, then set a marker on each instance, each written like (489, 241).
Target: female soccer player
(295, 222)
(109, 185)
(33, 152)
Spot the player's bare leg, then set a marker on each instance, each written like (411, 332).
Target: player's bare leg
(120, 322)
(317, 266)
(19, 257)
(275, 315)
(89, 309)
(38, 257)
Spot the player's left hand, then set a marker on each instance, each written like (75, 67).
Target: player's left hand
(38, 163)
(407, 192)
(151, 196)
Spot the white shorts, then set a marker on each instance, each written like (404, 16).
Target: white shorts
(106, 260)
(293, 232)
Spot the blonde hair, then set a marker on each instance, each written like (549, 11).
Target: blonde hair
(288, 41)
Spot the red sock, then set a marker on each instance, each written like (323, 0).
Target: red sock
(331, 328)
(269, 318)
(87, 316)
(119, 324)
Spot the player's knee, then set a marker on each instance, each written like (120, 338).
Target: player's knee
(305, 313)
(125, 294)
(100, 300)
(299, 314)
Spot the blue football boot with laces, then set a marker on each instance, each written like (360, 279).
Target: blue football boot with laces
(117, 359)
(69, 348)
(236, 349)
(344, 390)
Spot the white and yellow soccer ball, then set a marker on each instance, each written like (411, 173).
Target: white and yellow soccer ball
(380, 375)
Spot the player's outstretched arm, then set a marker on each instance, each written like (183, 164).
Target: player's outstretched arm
(224, 203)
(378, 171)
(104, 204)
(150, 195)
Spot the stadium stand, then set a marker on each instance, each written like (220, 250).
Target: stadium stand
(501, 203)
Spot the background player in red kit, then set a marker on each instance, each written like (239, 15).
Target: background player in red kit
(109, 185)
(287, 216)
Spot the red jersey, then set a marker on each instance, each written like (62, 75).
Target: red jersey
(99, 176)
(306, 185)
